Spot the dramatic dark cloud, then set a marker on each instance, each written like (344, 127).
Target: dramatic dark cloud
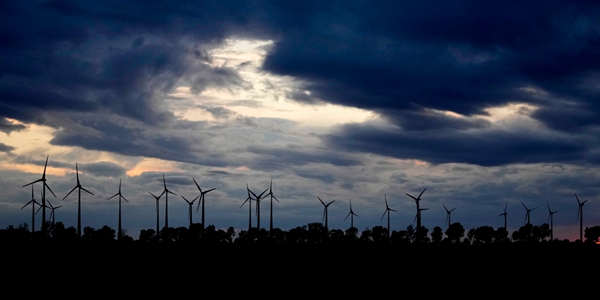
(6, 148)
(104, 168)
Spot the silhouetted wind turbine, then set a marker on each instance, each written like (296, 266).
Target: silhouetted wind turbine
(166, 192)
(120, 197)
(33, 212)
(580, 217)
(325, 206)
(504, 214)
(418, 215)
(527, 215)
(448, 213)
(52, 209)
(417, 200)
(257, 199)
(202, 193)
(45, 185)
(351, 214)
(190, 203)
(387, 211)
(78, 186)
(272, 197)
(157, 210)
(551, 219)
(249, 200)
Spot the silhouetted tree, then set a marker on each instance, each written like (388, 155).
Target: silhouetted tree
(147, 235)
(404, 236)
(501, 236)
(421, 235)
(379, 234)
(351, 234)
(483, 235)
(60, 233)
(592, 234)
(455, 232)
(436, 235)
(531, 234)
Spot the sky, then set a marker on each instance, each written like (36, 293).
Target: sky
(486, 105)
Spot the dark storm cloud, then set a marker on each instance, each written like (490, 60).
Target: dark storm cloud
(7, 127)
(6, 148)
(104, 168)
(485, 148)
(294, 155)
(401, 60)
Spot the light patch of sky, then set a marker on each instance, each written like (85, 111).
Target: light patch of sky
(247, 56)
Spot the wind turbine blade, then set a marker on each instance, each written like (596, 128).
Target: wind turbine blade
(50, 190)
(262, 193)
(421, 194)
(69, 193)
(393, 210)
(330, 202)
(321, 200)
(275, 198)
(505, 205)
(124, 199)
(117, 194)
(583, 202)
(347, 216)
(197, 185)
(45, 165)
(577, 198)
(244, 202)
(209, 190)
(324, 214)
(383, 214)
(411, 196)
(186, 200)
(26, 204)
(87, 191)
(524, 205)
(32, 182)
(452, 209)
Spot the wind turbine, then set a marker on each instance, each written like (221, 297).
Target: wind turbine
(417, 200)
(249, 200)
(202, 193)
(270, 193)
(351, 214)
(257, 199)
(387, 211)
(504, 214)
(527, 215)
(78, 186)
(120, 197)
(580, 217)
(190, 203)
(157, 209)
(166, 192)
(33, 212)
(43, 180)
(551, 219)
(448, 212)
(52, 209)
(325, 206)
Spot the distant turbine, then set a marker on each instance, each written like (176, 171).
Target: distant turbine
(551, 219)
(43, 180)
(166, 192)
(417, 200)
(257, 199)
(52, 209)
(202, 200)
(190, 203)
(351, 214)
(527, 215)
(157, 210)
(33, 212)
(249, 200)
(270, 193)
(78, 186)
(120, 197)
(448, 212)
(387, 211)
(325, 206)
(580, 217)
(504, 214)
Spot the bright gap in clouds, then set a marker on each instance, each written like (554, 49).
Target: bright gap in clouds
(264, 95)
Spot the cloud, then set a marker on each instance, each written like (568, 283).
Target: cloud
(486, 148)
(104, 169)
(6, 148)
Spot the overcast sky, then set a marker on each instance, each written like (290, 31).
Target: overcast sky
(485, 104)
